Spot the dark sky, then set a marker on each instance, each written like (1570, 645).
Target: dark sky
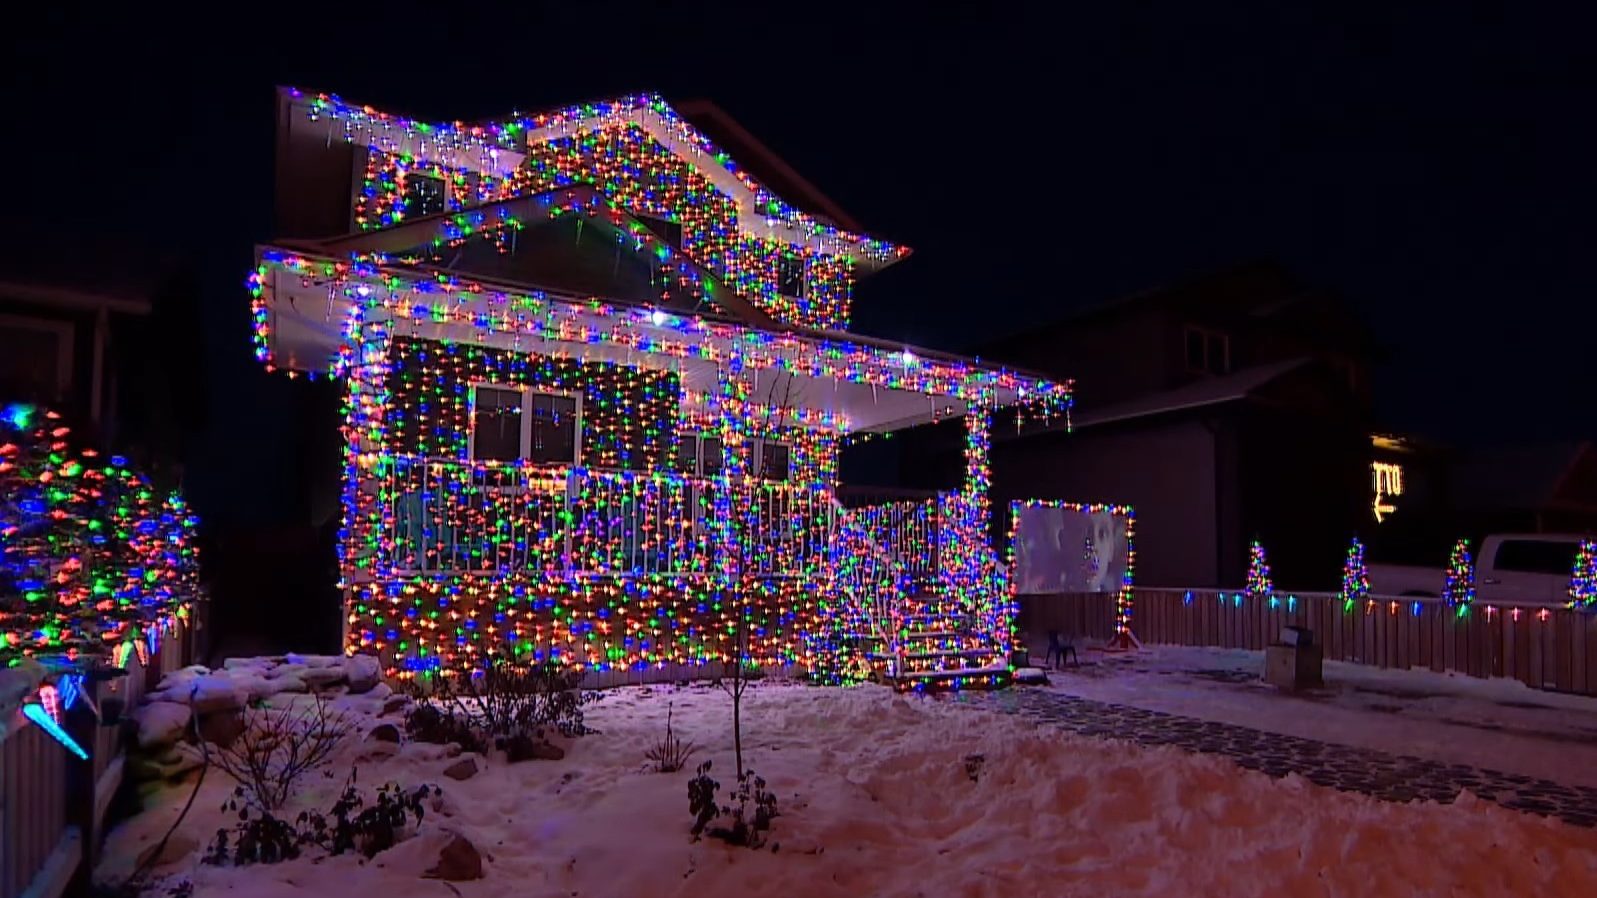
(1434, 166)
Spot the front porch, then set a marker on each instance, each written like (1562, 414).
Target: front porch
(622, 562)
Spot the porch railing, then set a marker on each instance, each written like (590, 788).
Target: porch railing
(461, 517)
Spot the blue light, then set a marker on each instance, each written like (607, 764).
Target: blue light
(17, 415)
(38, 715)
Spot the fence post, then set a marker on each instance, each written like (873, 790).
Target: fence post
(80, 723)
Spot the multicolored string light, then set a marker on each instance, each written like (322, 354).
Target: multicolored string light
(90, 557)
(1124, 597)
(1355, 577)
(1583, 580)
(1459, 589)
(1259, 583)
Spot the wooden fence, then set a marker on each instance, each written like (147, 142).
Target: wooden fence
(1543, 647)
(52, 805)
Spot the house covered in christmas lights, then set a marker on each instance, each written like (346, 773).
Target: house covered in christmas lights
(596, 378)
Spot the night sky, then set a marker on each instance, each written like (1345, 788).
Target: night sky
(1434, 167)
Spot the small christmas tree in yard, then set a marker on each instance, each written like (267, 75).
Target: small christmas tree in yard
(1355, 575)
(1583, 583)
(1459, 590)
(1259, 584)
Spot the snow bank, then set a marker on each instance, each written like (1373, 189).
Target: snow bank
(875, 799)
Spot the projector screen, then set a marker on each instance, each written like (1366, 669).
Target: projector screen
(1060, 549)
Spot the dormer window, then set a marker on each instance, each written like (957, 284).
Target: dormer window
(424, 195)
(669, 232)
(1208, 352)
(790, 274)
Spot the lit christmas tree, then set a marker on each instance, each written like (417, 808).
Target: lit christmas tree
(1258, 572)
(1583, 583)
(90, 559)
(1355, 575)
(1459, 590)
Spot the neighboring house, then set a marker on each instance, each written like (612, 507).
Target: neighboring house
(1544, 488)
(59, 345)
(1229, 408)
(596, 377)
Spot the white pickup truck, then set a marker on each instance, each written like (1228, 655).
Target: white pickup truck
(1510, 569)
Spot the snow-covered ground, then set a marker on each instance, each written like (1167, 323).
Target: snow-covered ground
(875, 800)
(1496, 724)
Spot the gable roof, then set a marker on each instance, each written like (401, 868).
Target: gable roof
(499, 147)
(1535, 477)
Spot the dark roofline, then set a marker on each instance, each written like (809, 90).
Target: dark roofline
(762, 162)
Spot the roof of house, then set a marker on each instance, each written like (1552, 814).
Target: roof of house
(497, 146)
(1206, 392)
(1260, 292)
(1526, 477)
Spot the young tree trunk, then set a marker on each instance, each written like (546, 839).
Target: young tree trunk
(737, 719)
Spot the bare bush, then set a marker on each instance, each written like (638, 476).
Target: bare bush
(670, 753)
(278, 747)
(501, 704)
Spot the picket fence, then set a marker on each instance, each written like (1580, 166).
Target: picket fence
(1552, 648)
(53, 805)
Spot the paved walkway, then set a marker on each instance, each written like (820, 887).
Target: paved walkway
(1389, 777)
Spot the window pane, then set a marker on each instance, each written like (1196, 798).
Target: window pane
(710, 455)
(775, 462)
(790, 275)
(496, 424)
(554, 429)
(1195, 351)
(668, 231)
(687, 454)
(423, 196)
(1536, 557)
(1217, 354)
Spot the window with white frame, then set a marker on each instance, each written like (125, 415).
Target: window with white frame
(698, 454)
(518, 424)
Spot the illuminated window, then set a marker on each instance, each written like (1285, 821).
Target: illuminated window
(511, 424)
(1388, 483)
(1208, 351)
(790, 274)
(424, 195)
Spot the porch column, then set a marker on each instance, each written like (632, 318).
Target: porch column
(360, 560)
(978, 476)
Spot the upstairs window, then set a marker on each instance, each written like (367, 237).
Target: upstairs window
(513, 424)
(698, 454)
(1208, 352)
(774, 460)
(790, 275)
(424, 195)
(668, 231)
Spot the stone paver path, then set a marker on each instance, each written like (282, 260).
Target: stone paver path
(1385, 776)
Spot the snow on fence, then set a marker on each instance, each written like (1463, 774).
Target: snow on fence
(1543, 647)
(48, 797)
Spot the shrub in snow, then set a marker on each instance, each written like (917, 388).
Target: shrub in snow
(277, 747)
(751, 810)
(670, 753)
(351, 825)
(507, 705)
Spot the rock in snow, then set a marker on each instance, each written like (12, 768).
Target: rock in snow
(214, 693)
(364, 673)
(457, 862)
(161, 723)
(463, 769)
